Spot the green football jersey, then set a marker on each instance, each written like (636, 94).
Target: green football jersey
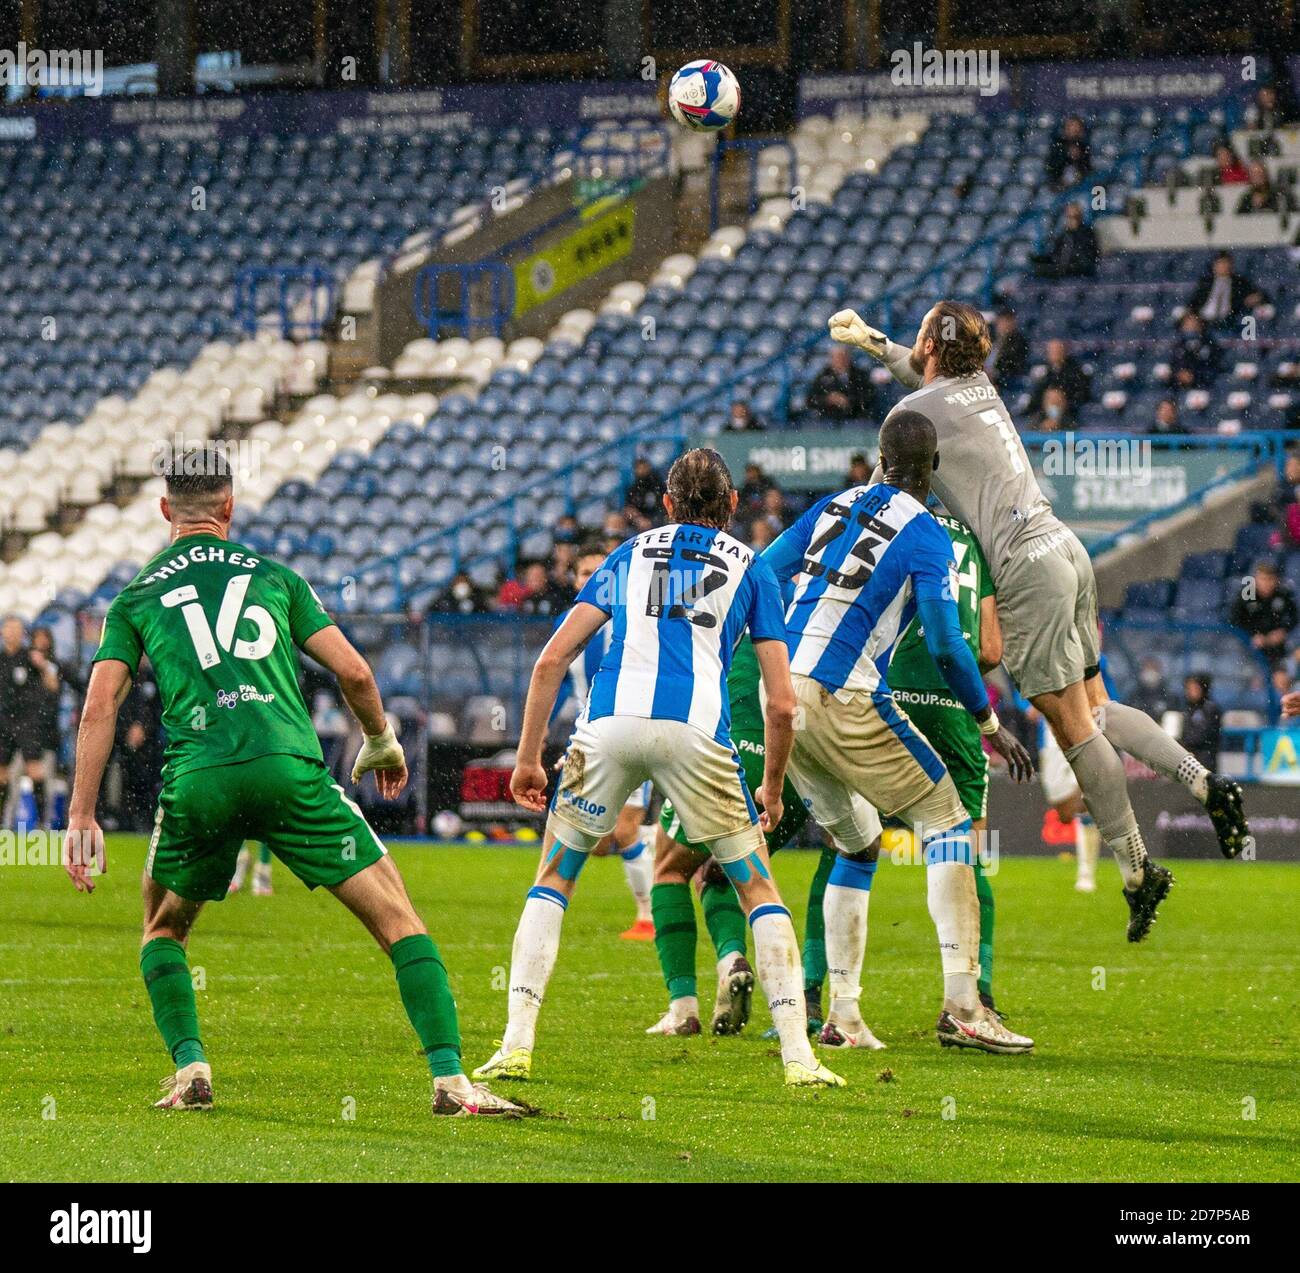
(742, 690)
(219, 623)
(912, 668)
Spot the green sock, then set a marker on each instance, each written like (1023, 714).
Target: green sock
(814, 942)
(167, 979)
(724, 919)
(985, 893)
(426, 996)
(675, 935)
(264, 854)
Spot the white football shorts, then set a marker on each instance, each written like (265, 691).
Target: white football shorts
(610, 758)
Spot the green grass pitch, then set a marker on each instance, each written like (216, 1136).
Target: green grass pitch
(1173, 1060)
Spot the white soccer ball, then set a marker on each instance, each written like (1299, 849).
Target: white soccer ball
(447, 824)
(704, 95)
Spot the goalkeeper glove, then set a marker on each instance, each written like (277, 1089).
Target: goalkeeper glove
(849, 329)
(383, 751)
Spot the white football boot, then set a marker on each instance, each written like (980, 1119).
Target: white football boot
(985, 1032)
(457, 1097)
(188, 1088)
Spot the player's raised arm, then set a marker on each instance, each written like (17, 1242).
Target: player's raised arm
(528, 782)
(848, 328)
(83, 843)
(380, 751)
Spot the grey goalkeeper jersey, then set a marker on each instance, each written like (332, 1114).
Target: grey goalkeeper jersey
(984, 476)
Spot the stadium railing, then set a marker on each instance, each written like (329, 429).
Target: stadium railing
(293, 285)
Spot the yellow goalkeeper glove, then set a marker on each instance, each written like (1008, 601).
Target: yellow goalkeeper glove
(849, 329)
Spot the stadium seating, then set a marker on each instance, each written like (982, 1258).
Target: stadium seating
(1121, 325)
(123, 256)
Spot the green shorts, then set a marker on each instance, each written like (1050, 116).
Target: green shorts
(290, 803)
(750, 751)
(951, 730)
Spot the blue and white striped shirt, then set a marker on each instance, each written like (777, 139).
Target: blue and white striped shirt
(679, 598)
(868, 555)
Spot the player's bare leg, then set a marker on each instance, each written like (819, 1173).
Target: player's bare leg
(377, 897)
(1100, 773)
(168, 919)
(1135, 732)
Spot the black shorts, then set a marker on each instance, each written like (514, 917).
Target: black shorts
(17, 739)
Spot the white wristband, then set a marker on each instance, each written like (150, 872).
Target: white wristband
(990, 726)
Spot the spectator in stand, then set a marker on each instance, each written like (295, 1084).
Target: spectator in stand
(1196, 358)
(1009, 357)
(1054, 412)
(645, 493)
(760, 534)
(860, 468)
(1223, 295)
(1284, 507)
(1063, 372)
(1150, 695)
(1266, 611)
(558, 594)
(755, 486)
(1268, 111)
(842, 390)
(1202, 721)
(524, 586)
(1262, 195)
(1231, 171)
(1166, 420)
(742, 419)
(775, 511)
(1069, 158)
(563, 557)
(464, 596)
(1073, 252)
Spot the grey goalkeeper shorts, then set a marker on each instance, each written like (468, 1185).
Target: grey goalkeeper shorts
(1047, 604)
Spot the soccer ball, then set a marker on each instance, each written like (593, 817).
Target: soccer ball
(447, 825)
(704, 95)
